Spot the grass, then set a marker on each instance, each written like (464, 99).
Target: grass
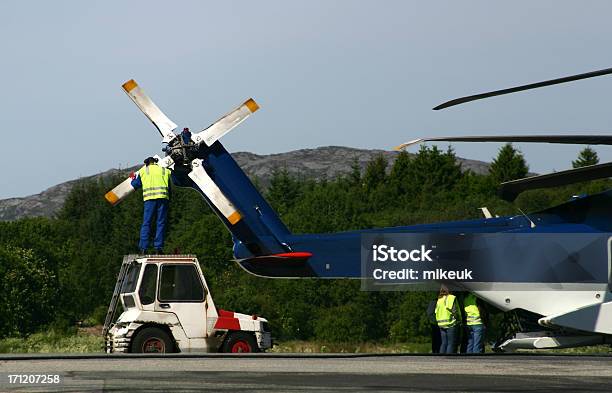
(89, 340)
(322, 347)
(53, 342)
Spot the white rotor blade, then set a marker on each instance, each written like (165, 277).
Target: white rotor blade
(213, 193)
(225, 124)
(119, 193)
(148, 107)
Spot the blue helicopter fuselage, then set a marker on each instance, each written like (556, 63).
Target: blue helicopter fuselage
(264, 246)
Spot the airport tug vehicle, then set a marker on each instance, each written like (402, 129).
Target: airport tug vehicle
(167, 307)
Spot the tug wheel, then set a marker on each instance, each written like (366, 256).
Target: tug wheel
(152, 340)
(240, 342)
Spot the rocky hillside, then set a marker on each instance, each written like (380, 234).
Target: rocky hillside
(318, 163)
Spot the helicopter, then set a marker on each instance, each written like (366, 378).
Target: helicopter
(552, 268)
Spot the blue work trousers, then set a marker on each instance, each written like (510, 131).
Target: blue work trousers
(154, 208)
(476, 334)
(448, 338)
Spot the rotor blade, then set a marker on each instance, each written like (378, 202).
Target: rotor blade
(569, 139)
(225, 124)
(510, 190)
(213, 193)
(463, 100)
(148, 107)
(121, 191)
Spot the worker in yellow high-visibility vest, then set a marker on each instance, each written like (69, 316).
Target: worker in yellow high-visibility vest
(474, 317)
(155, 182)
(448, 317)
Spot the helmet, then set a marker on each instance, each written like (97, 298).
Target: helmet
(150, 160)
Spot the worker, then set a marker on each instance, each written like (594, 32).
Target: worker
(186, 135)
(475, 324)
(154, 181)
(448, 317)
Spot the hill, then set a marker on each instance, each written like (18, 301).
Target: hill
(323, 162)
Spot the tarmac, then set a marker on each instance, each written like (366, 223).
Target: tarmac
(308, 373)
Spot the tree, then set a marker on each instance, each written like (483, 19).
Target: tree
(354, 176)
(430, 171)
(400, 174)
(412, 318)
(586, 157)
(508, 165)
(284, 190)
(375, 173)
(28, 291)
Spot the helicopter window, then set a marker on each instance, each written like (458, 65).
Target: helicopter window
(180, 283)
(148, 284)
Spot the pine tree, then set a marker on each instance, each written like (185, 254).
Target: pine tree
(508, 165)
(433, 170)
(375, 172)
(586, 157)
(284, 190)
(354, 176)
(400, 173)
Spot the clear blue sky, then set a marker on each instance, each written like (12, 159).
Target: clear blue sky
(355, 73)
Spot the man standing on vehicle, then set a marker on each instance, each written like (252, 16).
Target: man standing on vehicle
(155, 182)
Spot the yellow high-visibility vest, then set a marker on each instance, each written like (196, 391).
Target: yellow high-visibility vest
(444, 314)
(155, 180)
(472, 313)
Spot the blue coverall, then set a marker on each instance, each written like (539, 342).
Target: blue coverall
(152, 208)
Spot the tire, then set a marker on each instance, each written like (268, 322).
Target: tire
(240, 342)
(152, 340)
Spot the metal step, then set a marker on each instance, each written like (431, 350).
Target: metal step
(112, 308)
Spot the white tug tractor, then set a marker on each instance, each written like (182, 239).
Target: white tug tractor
(167, 308)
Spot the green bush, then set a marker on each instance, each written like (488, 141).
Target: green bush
(28, 291)
(412, 323)
(341, 324)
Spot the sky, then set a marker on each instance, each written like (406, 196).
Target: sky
(353, 73)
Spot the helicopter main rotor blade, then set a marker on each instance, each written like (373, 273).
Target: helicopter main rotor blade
(226, 123)
(463, 100)
(510, 190)
(213, 192)
(120, 191)
(567, 139)
(164, 125)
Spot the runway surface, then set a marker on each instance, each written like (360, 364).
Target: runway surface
(301, 373)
